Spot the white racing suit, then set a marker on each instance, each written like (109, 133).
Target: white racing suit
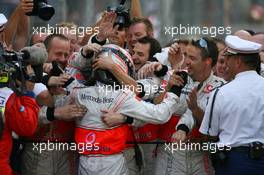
(151, 87)
(101, 150)
(187, 161)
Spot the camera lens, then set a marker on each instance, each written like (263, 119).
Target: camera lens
(45, 11)
(120, 20)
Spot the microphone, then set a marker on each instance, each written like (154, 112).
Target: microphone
(34, 55)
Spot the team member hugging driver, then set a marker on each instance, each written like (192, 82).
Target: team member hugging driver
(105, 156)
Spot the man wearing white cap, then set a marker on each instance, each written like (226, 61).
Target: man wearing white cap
(235, 112)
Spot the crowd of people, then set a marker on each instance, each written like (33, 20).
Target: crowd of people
(116, 102)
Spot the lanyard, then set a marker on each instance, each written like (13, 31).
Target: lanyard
(211, 111)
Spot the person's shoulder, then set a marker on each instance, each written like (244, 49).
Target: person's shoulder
(6, 89)
(260, 80)
(231, 87)
(217, 82)
(218, 79)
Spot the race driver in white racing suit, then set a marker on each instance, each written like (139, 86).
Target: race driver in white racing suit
(101, 146)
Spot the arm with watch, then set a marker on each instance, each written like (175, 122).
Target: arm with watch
(64, 108)
(66, 112)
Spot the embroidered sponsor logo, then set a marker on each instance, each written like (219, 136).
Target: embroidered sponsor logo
(96, 99)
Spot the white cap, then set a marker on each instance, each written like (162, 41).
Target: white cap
(236, 45)
(3, 19)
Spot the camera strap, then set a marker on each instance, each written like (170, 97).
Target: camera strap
(211, 111)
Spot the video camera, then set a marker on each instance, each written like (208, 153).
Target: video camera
(13, 65)
(123, 18)
(42, 10)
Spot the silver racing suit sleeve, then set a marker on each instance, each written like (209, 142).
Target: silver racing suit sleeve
(187, 119)
(148, 112)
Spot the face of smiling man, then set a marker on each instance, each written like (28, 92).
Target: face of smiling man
(135, 32)
(195, 63)
(140, 54)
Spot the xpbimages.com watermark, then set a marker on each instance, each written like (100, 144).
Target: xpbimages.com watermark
(147, 89)
(189, 146)
(80, 31)
(63, 146)
(212, 31)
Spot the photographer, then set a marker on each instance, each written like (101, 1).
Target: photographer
(19, 114)
(55, 129)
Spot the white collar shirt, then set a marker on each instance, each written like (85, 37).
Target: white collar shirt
(238, 112)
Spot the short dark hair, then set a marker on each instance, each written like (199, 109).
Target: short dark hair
(146, 21)
(210, 51)
(155, 46)
(49, 39)
(252, 61)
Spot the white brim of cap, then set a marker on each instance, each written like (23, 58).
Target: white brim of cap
(3, 19)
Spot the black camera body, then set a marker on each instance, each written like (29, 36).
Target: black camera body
(177, 89)
(14, 66)
(123, 17)
(42, 10)
(10, 61)
(183, 75)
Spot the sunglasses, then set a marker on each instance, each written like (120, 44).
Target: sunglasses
(203, 44)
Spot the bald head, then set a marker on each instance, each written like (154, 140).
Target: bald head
(259, 38)
(243, 34)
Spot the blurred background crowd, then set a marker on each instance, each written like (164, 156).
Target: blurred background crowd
(246, 14)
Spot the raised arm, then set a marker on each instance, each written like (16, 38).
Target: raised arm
(17, 29)
(135, 11)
